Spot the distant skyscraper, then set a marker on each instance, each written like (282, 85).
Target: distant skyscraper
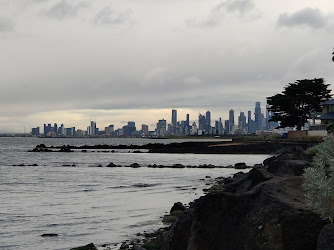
(227, 126)
(35, 131)
(186, 129)
(55, 128)
(92, 128)
(187, 120)
(144, 129)
(258, 116)
(129, 129)
(201, 122)
(242, 121)
(174, 117)
(207, 121)
(161, 127)
(231, 120)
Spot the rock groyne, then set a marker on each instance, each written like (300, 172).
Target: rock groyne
(262, 209)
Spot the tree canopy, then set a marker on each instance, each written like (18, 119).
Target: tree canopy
(293, 107)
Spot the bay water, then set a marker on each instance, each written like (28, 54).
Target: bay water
(85, 203)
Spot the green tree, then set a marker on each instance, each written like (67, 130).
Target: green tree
(293, 107)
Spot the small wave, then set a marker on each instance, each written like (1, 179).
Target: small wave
(143, 224)
(137, 185)
(144, 185)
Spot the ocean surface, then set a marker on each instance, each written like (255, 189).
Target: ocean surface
(86, 203)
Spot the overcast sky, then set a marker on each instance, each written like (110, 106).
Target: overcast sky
(69, 61)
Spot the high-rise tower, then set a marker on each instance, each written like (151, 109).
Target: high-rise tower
(230, 120)
(174, 117)
(207, 121)
(258, 116)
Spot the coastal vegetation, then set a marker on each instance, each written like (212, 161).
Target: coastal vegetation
(295, 105)
(319, 180)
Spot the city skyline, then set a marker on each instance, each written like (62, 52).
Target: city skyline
(175, 127)
(76, 60)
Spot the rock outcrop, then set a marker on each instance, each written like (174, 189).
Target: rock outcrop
(262, 209)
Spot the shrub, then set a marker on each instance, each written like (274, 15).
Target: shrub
(319, 180)
(330, 127)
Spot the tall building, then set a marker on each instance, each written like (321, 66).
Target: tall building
(230, 120)
(92, 128)
(161, 127)
(193, 129)
(242, 121)
(258, 116)
(207, 121)
(201, 122)
(55, 128)
(62, 130)
(227, 126)
(144, 129)
(174, 117)
(186, 128)
(250, 123)
(35, 131)
(47, 129)
(129, 129)
(109, 130)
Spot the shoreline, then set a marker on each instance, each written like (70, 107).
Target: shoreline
(205, 147)
(267, 203)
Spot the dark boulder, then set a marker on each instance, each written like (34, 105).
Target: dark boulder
(178, 236)
(292, 162)
(124, 246)
(271, 215)
(240, 165)
(135, 165)
(178, 206)
(326, 238)
(136, 247)
(243, 182)
(87, 247)
(49, 235)
(111, 165)
(178, 166)
(290, 167)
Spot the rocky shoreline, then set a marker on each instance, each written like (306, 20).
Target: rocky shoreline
(205, 147)
(262, 209)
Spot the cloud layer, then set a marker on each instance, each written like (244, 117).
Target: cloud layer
(61, 56)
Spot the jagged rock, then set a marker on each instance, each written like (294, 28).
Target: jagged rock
(87, 247)
(257, 210)
(124, 246)
(240, 165)
(49, 235)
(111, 165)
(136, 247)
(178, 206)
(326, 238)
(243, 182)
(135, 165)
(178, 166)
(291, 167)
(169, 219)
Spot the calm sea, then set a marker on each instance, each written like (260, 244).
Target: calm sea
(86, 203)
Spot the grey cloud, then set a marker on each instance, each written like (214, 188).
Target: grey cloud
(241, 6)
(217, 13)
(64, 9)
(312, 18)
(6, 25)
(108, 16)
